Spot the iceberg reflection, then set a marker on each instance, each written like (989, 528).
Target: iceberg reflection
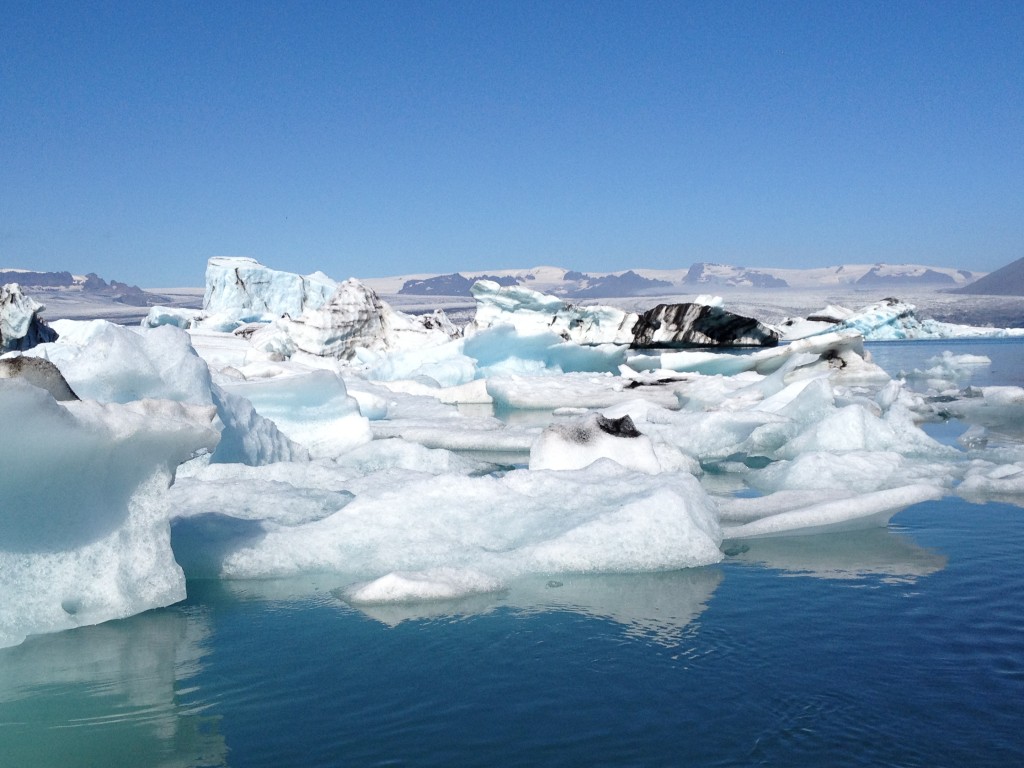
(108, 695)
(855, 554)
(654, 606)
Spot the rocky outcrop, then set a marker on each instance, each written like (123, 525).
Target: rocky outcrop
(699, 325)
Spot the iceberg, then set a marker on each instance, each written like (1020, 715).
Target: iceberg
(20, 325)
(887, 320)
(578, 444)
(353, 320)
(700, 323)
(530, 313)
(84, 531)
(111, 363)
(242, 289)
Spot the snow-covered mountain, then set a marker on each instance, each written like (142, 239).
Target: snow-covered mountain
(643, 282)
(66, 295)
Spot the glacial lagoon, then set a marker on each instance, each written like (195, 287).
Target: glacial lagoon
(897, 645)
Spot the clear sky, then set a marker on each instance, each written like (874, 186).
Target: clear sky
(366, 139)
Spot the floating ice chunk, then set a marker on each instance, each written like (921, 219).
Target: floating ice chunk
(247, 437)
(244, 289)
(422, 586)
(841, 355)
(843, 514)
(948, 366)
(670, 457)
(179, 318)
(476, 435)
(21, 327)
(1000, 408)
(83, 525)
(660, 532)
(699, 325)
(863, 470)
(734, 510)
(445, 364)
(888, 320)
(855, 428)
(313, 409)
(253, 496)
(116, 364)
(531, 313)
(504, 349)
(520, 522)
(686, 361)
(578, 390)
(472, 392)
(354, 318)
(985, 480)
(710, 435)
(574, 445)
(527, 310)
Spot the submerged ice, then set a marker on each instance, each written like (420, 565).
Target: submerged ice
(298, 425)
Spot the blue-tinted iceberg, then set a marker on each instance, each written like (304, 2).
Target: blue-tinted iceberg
(886, 320)
(84, 530)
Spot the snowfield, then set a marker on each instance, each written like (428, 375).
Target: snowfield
(301, 425)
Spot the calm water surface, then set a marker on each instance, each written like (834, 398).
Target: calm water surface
(894, 646)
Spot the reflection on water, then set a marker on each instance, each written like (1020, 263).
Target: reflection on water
(107, 695)
(872, 552)
(653, 606)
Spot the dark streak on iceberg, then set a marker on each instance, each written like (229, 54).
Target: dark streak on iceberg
(699, 325)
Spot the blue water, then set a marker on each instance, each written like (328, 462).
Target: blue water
(896, 646)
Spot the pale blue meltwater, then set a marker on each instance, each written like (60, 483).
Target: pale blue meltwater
(899, 645)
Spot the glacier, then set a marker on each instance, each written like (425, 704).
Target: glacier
(299, 425)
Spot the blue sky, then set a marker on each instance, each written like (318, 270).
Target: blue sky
(377, 138)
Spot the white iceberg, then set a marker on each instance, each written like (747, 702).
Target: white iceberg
(84, 533)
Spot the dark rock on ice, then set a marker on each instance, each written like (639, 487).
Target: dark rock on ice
(586, 431)
(39, 373)
(622, 427)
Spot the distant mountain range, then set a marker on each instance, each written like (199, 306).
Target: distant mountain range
(93, 284)
(701, 276)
